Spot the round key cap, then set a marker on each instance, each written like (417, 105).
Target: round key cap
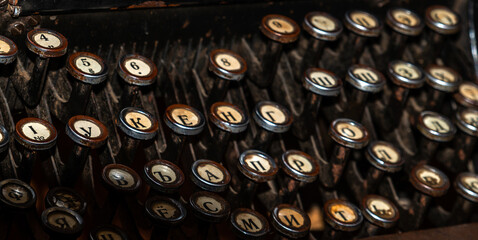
(435, 126)
(227, 64)
(4, 138)
(62, 221)
(322, 26)
(46, 43)
(365, 78)
(166, 211)
(404, 21)
(363, 23)
(280, 28)
(249, 224)
(384, 156)
(35, 133)
(163, 176)
(272, 116)
(183, 119)
(8, 50)
(380, 211)
(466, 184)
(137, 70)
(322, 82)
(66, 198)
(467, 121)
(108, 232)
(467, 95)
(349, 133)
(342, 215)
(87, 67)
(442, 78)
(16, 194)
(137, 123)
(228, 117)
(429, 180)
(300, 166)
(257, 166)
(209, 207)
(405, 74)
(290, 221)
(86, 131)
(121, 178)
(442, 19)
(210, 176)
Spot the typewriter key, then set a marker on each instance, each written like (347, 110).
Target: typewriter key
(163, 176)
(87, 68)
(442, 78)
(8, 50)
(341, 216)
(209, 207)
(319, 83)
(380, 213)
(166, 213)
(16, 194)
(365, 80)
(404, 21)
(65, 198)
(138, 72)
(120, 178)
(62, 223)
(465, 140)
(442, 20)
(279, 30)
(138, 125)
(466, 185)
(183, 121)
(435, 127)
(109, 232)
(272, 118)
(46, 43)
(210, 176)
(249, 224)
(290, 221)
(467, 95)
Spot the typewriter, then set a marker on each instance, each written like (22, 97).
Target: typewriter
(238, 119)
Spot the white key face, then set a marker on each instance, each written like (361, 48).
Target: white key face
(1, 137)
(429, 178)
(4, 47)
(471, 118)
(349, 131)
(444, 16)
(365, 75)
(227, 62)
(406, 71)
(343, 213)
(363, 19)
(249, 222)
(87, 128)
(257, 163)
(36, 131)
(381, 208)
(386, 153)
(15, 194)
(470, 183)
(138, 121)
(110, 235)
(121, 178)
(185, 117)
(300, 163)
(229, 114)
(209, 204)
(469, 91)
(58, 221)
(137, 67)
(280, 25)
(163, 173)
(273, 114)
(405, 17)
(88, 65)
(290, 217)
(436, 124)
(323, 23)
(210, 173)
(443, 75)
(47, 40)
(164, 209)
(322, 79)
